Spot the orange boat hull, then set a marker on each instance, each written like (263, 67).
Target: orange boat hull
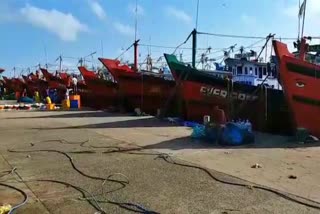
(301, 84)
(136, 90)
(99, 93)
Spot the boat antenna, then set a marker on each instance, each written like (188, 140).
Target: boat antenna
(303, 7)
(197, 17)
(60, 62)
(136, 21)
(299, 21)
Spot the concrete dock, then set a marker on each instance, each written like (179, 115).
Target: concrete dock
(142, 177)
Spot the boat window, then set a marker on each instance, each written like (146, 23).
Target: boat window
(251, 70)
(234, 71)
(245, 70)
(239, 70)
(264, 71)
(260, 72)
(256, 71)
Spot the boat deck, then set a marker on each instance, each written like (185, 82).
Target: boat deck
(153, 183)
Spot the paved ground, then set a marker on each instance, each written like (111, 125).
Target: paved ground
(153, 183)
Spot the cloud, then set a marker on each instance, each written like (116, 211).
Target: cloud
(64, 25)
(178, 14)
(248, 20)
(97, 9)
(124, 29)
(132, 9)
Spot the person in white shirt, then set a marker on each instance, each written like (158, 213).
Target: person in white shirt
(74, 82)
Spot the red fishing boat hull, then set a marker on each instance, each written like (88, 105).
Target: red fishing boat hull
(100, 93)
(137, 90)
(54, 82)
(30, 85)
(201, 99)
(301, 83)
(201, 92)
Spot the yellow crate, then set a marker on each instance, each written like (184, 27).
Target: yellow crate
(66, 104)
(50, 106)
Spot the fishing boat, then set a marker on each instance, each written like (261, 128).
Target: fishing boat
(101, 93)
(33, 84)
(300, 79)
(8, 83)
(60, 81)
(203, 90)
(18, 85)
(143, 89)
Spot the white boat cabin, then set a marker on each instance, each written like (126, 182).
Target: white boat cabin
(253, 72)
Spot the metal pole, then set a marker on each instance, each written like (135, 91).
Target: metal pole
(197, 15)
(135, 55)
(136, 22)
(304, 16)
(299, 21)
(60, 62)
(194, 47)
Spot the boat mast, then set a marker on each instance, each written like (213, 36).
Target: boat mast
(135, 44)
(60, 62)
(304, 16)
(197, 14)
(194, 47)
(299, 27)
(194, 38)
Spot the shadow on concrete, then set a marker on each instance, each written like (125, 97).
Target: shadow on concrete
(263, 141)
(132, 123)
(74, 115)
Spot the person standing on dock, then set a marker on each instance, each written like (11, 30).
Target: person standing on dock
(219, 116)
(149, 63)
(75, 83)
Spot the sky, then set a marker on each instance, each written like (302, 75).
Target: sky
(38, 31)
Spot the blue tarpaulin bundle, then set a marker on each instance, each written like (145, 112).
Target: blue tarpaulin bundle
(191, 124)
(234, 135)
(25, 100)
(212, 133)
(198, 131)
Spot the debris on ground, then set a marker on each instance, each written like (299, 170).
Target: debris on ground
(292, 177)
(256, 166)
(4, 209)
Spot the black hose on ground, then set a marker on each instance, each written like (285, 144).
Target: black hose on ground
(268, 189)
(166, 157)
(122, 183)
(20, 191)
(284, 195)
(128, 206)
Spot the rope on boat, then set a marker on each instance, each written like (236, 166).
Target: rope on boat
(241, 36)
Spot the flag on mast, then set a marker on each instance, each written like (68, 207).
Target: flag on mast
(302, 8)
